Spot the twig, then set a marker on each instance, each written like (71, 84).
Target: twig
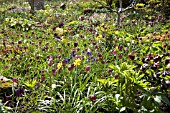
(117, 11)
(120, 9)
(130, 6)
(108, 7)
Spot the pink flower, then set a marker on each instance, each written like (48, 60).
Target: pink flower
(70, 67)
(93, 98)
(87, 68)
(42, 78)
(116, 76)
(50, 62)
(6, 67)
(15, 80)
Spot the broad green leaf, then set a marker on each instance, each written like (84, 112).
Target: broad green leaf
(157, 44)
(128, 39)
(109, 81)
(146, 49)
(114, 67)
(103, 81)
(165, 99)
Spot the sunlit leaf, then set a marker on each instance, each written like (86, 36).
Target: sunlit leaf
(31, 84)
(165, 99)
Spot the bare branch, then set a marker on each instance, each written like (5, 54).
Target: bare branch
(108, 7)
(131, 6)
(120, 9)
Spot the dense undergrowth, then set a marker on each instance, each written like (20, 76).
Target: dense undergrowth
(77, 60)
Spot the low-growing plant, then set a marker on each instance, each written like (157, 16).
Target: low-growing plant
(78, 62)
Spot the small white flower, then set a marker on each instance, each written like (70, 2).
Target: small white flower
(53, 86)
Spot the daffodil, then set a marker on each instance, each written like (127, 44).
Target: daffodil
(77, 62)
(59, 65)
(99, 37)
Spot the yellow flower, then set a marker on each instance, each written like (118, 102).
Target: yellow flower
(116, 32)
(63, 40)
(139, 5)
(59, 65)
(77, 62)
(59, 31)
(116, 48)
(49, 30)
(99, 37)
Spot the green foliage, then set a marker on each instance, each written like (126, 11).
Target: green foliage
(73, 62)
(20, 23)
(159, 5)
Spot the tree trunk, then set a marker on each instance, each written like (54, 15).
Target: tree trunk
(119, 12)
(36, 4)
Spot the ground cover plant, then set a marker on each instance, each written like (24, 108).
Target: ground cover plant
(72, 57)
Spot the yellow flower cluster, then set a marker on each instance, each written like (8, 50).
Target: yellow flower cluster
(77, 62)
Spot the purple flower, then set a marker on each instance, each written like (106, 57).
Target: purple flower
(42, 72)
(73, 54)
(116, 76)
(67, 60)
(120, 47)
(120, 56)
(94, 59)
(54, 27)
(75, 44)
(19, 42)
(54, 70)
(61, 24)
(6, 67)
(50, 62)
(21, 90)
(17, 92)
(89, 53)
